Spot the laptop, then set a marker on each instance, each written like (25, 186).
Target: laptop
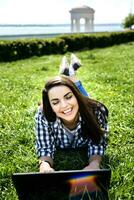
(63, 185)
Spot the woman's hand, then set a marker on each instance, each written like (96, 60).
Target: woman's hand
(94, 163)
(45, 167)
(92, 166)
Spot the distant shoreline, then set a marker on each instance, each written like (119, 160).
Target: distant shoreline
(22, 31)
(106, 24)
(38, 36)
(24, 36)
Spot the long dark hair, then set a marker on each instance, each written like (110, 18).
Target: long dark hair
(87, 107)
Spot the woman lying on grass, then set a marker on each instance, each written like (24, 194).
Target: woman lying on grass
(68, 118)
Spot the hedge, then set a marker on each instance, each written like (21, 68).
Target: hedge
(21, 49)
(11, 50)
(99, 40)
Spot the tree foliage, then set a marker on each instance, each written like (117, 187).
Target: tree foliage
(129, 21)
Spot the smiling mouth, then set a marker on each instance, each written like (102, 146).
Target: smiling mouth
(68, 111)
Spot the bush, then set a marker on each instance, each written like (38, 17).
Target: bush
(129, 21)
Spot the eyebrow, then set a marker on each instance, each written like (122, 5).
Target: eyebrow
(64, 96)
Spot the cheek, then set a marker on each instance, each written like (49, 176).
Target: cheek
(54, 108)
(77, 106)
(76, 103)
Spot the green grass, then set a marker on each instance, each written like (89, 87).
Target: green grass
(107, 75)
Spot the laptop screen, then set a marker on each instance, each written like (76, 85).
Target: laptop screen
(63, 185)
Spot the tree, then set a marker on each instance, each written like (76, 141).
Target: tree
(129, 21)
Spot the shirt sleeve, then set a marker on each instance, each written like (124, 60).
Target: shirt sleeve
(101, 116)
(44, 138)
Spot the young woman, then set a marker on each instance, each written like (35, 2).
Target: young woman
(68, 119)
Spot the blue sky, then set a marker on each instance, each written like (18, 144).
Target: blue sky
(57, 11)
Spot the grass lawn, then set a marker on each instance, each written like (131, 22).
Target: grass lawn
(107, 74)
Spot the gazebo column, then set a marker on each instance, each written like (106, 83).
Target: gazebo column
(77, 25)
(87, 25)
(92, 25)
(72, 25)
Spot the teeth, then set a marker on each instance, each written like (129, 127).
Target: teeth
(66, 111)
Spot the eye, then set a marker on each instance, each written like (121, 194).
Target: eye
(69, 96)
(55, 102)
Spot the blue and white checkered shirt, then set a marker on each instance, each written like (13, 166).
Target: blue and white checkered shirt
(52, 135)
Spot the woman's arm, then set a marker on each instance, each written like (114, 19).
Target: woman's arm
(44, 143)
(95, 152)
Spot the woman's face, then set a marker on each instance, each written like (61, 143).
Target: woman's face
(63, 103)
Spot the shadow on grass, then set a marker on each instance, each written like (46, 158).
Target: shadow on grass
(75, 159)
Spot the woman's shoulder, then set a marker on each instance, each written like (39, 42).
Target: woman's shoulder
(101, 113)
(101, 107)
(98, 107)
(39, 116)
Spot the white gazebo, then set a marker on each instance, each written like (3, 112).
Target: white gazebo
(79, 13)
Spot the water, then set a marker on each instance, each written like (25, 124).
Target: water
(15, 30)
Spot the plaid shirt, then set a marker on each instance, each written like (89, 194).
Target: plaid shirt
(50, 135)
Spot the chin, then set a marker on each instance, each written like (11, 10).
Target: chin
(69, 118)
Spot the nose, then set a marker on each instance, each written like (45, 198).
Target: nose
(63, 104)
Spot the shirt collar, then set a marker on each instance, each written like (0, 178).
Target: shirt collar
(58, 122)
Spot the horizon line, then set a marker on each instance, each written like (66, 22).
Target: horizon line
(58, 24)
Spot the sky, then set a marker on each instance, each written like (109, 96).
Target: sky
(57, 11)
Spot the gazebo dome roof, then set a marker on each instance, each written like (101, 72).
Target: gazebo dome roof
(82, 8)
